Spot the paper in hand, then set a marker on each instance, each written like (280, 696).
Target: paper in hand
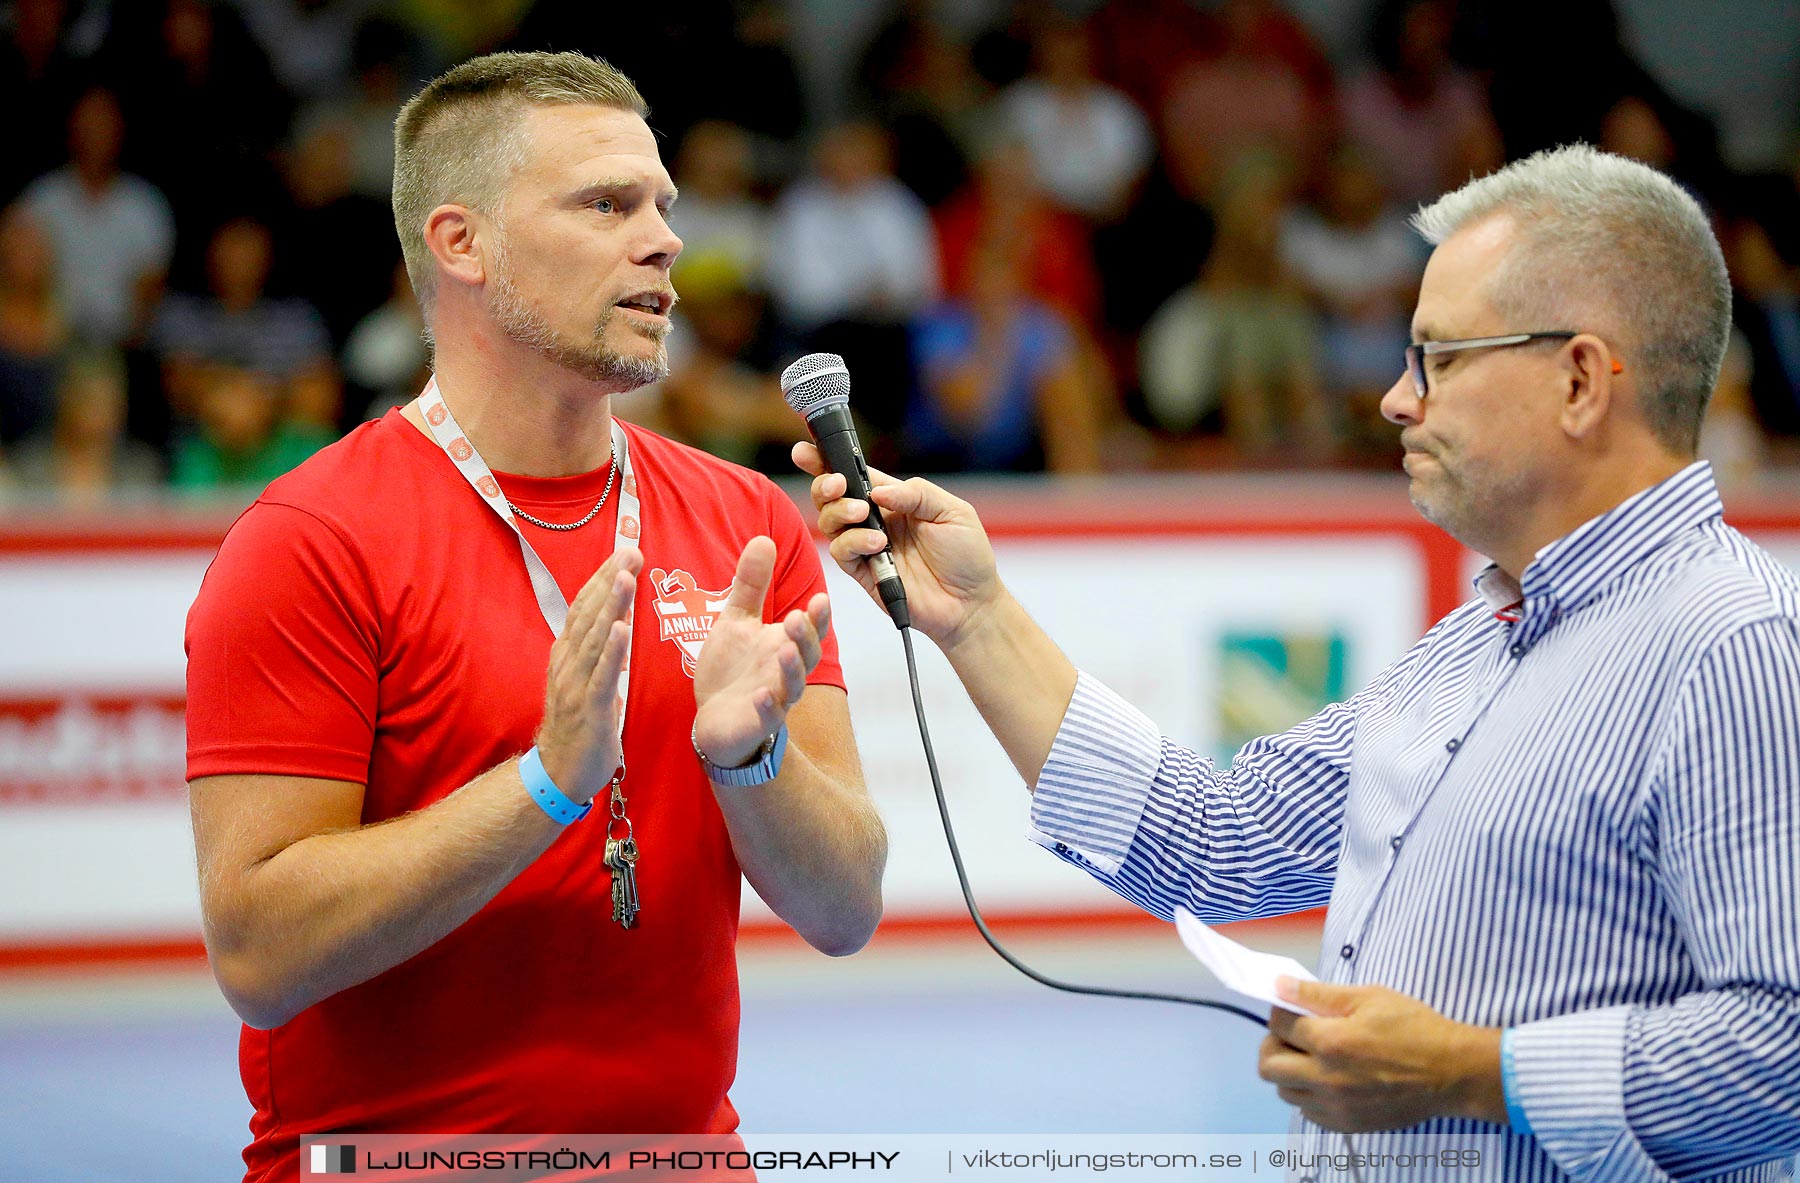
(1242, 970)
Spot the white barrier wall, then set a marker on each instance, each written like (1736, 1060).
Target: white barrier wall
(1215, 632)
(94, 837)
(1147, 616)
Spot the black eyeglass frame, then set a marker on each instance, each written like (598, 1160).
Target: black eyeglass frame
(1417, 352)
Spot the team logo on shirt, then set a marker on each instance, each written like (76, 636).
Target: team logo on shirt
(685, 612)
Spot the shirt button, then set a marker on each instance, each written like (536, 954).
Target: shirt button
(1062, 848)
(1347, 952)
(1453, 745)
(1395, 841)
(1518, 651)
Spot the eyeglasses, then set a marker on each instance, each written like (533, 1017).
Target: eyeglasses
(1416, 354)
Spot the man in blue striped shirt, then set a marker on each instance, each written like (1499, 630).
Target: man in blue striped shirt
(1560, 837)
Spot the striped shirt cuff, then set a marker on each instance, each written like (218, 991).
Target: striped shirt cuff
(1092, 791)
(1509, 1088)
(1566, 1076)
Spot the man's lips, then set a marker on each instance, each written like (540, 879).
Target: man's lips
(654, 303)
(1415, 446)
(1415, 454)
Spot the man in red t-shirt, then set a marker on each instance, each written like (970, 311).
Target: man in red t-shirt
(423, 655)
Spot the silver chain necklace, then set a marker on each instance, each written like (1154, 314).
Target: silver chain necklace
(612, 474)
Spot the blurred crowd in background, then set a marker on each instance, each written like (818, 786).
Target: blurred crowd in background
(1145, 234)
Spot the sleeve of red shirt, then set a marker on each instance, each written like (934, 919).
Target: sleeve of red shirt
(799, 577)
(282, 646)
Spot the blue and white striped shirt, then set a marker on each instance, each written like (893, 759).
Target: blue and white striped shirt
(1583, 826)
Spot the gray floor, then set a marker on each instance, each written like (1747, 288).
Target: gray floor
(135, 1080)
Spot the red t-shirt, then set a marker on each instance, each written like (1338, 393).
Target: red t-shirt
(370, 619)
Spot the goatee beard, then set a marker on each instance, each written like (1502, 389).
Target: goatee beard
(592, 360)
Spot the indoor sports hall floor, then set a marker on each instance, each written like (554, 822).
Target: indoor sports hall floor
(132, 1078)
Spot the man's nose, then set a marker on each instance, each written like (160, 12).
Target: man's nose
(1402, 404)
(661, 244)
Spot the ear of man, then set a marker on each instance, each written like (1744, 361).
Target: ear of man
(456, 237)
(1596, 389)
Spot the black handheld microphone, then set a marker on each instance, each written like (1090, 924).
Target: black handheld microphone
(818, 386)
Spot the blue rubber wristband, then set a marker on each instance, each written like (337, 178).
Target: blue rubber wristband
(543, 790)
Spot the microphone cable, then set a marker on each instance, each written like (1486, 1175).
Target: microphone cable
(981, 926)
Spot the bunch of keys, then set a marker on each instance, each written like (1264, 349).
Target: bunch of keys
(621, 858)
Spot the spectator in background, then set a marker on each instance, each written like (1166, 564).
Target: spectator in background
(363, 113)
(1269, 89)
(354, 275)
(1239, 342)
(1767, 312)
(1142, 46)
(1774, 200)
(237, 324)
(40, 78)
(701, 58)
(1001, 51)
(1354, 255)
(1730, 438)
(711, 398)
(1631, 127)
(1000, 378)
(719, 216)
(921, 83)
(851, 243)
(1004, 206)
(1004, 199)
(240, 439)
(1419, 115)
(86, 459)
(758, 48)
(385, 360)
(451, 30)
(1642, 126)
(112, 233)
(1268, 30)
(851, 261)
(310, 43)
(33, 331)
(1551, 90)
(205, 110)
(1089, 143)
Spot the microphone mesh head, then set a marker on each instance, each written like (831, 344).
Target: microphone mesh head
(815, 382)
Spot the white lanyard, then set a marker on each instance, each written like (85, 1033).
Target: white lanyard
(474, 469)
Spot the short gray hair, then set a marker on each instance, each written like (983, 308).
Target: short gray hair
(460, 139)
(1607, 245)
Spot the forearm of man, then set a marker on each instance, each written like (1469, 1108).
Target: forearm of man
(1018, 679)
(810, 841)
(334, 909)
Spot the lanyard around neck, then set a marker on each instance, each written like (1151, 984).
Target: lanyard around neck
(550, 600)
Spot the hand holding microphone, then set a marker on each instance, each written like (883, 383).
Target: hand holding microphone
(906, 537)
(934, 544)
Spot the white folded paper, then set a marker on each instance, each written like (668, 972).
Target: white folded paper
(1242, 970)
